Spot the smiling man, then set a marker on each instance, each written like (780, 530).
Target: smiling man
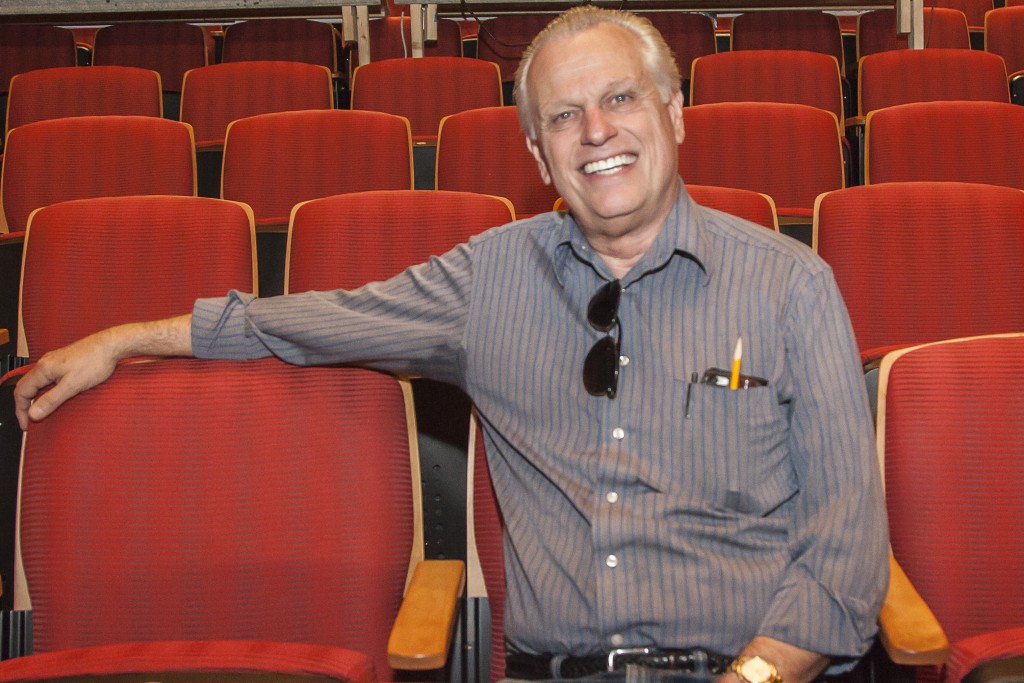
(605, 133)
(657, 508)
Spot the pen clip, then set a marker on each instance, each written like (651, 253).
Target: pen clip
(689, 393)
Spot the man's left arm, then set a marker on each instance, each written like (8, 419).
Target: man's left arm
(827, 604)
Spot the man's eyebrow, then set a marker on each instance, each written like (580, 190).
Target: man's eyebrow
(624, 84)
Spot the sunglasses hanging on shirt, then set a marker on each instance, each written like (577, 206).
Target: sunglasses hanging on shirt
(601, 367)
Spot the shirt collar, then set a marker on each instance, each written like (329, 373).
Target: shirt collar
(682, 234)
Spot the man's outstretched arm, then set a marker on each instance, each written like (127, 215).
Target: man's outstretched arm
(91, 360)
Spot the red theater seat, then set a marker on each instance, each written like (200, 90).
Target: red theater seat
(250, 517)
(954, 602)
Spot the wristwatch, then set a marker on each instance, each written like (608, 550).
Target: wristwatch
(754, 669)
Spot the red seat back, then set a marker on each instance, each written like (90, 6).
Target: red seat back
(281, 40)
(789, 30)
(794, 76)
(976, 142)
(348, 240)
(1003, 30)
(93, 156)
(484, 150)
(274, 161)
(168, 47)
(790, 152)
(93, 263)
(425, 90)
(214, 96)
(920, 262)
(753, 206)
(943, 28)
(688, 34)
(902, 76)
(252, 501)
(74, 91)
(974, 10)
(25, 47)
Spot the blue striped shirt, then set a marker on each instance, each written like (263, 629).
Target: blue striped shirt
(629, 523)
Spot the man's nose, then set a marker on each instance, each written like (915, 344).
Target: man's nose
(597, 126)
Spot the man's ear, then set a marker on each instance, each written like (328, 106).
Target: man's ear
(675, 111)
(542, 165)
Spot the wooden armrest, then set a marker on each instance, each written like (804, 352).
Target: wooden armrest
(423, 629)
(855, 121)
(5, 336)
(910, 632)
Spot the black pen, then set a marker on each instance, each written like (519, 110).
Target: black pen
(689, 390)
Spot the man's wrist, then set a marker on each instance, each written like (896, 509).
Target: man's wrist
(754, 669)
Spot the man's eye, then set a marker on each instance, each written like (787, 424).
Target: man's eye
(562, 119)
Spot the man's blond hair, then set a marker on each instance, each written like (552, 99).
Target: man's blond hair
(657, 57)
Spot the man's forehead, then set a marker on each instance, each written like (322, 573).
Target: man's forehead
(596, 34)
(606, 64)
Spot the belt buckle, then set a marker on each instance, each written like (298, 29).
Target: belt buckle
(624, 651)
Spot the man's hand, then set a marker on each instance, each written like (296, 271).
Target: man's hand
(90, 361)
(794, 664)
(72, 370)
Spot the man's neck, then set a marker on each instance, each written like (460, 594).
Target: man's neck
(620, 251)
(622, 244)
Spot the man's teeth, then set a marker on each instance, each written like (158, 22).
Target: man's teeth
(607, 166)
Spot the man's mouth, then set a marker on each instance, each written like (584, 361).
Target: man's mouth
(610, 165)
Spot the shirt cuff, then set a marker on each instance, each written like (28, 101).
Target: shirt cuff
(221, 329)
(810, 616)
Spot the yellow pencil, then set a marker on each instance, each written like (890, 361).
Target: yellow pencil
(737, 355)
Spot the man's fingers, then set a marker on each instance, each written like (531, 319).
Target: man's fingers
(27, 389)
(47, 402)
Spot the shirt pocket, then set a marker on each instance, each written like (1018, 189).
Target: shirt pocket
(734, 448)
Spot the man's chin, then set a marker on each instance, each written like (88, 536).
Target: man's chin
(613, 210)
(607, 220)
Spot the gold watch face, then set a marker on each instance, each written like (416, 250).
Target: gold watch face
(756, 670)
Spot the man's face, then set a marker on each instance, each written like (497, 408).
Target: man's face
(605, 138)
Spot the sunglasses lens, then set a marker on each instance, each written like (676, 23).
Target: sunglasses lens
(604, 306)
(601, 368)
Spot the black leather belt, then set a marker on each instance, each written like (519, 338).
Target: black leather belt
(539, 667)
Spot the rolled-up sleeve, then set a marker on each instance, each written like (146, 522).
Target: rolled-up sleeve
(220, 329)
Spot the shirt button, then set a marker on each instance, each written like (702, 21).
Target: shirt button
(612, 497)
(619, 433)
(611, 561)
(617, 639)
(623, 360)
